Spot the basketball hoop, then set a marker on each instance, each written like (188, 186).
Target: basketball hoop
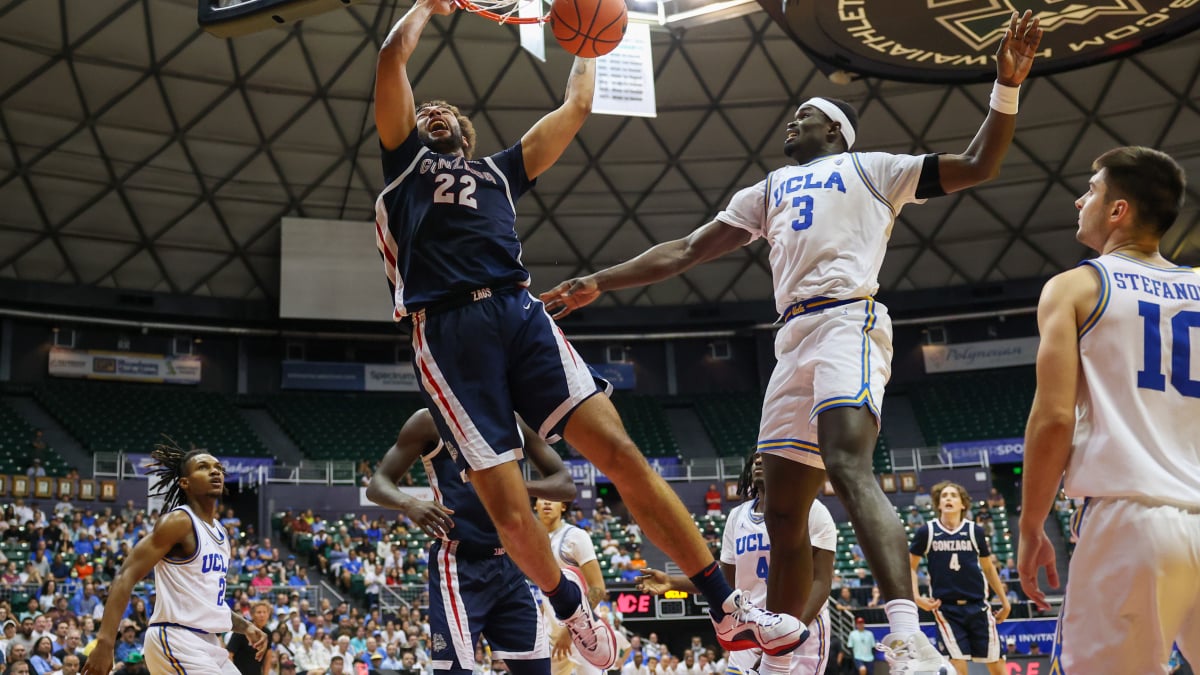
(502, 11)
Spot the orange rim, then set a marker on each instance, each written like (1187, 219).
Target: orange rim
(471, 7)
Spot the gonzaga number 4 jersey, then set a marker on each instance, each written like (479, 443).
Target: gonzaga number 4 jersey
(1137, 429)
(828, 221)
(745, 544)
(191, 592)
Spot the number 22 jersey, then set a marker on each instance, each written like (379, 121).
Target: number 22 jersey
(1137, 428)
(190, 592)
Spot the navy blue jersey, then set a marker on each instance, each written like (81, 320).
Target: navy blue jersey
(446, 225)
(953, 559)
(472, 524)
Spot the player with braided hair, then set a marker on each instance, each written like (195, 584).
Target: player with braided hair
(189, 553)
(746, 558)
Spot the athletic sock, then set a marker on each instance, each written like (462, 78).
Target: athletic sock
(565, 598)
(902, 616)
(715, 588)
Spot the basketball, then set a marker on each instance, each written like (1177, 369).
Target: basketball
(588, 28)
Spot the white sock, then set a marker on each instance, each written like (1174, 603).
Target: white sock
(776, 664)
(902, 616)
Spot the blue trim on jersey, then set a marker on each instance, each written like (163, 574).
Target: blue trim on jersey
(788, 444)
(822, 648)
(870, 186)
(1176, 269)
(1056, 667)
(817, 304)
(179, 625)
(195, 532)
(1102, 302)
(756, 518)
(1076, 524)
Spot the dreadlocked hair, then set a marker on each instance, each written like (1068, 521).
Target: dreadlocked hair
(746, 489)
(170, 462)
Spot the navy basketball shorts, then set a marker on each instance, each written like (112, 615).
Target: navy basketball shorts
(968, 631)
(474, 595)
(479, 363)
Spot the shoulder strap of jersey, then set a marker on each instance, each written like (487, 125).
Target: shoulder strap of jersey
(929, 539)
(971, 530)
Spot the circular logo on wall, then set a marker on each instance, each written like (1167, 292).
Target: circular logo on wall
(954, 40)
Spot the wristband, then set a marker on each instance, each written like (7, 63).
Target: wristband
(1004, 98)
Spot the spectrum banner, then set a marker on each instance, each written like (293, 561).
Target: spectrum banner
(998, 451)
(583, 471)
(980, 355)
(327, 376)
(101, 365)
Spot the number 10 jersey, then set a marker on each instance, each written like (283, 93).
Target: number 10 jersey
(1137, 430)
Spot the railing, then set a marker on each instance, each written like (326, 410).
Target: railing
(392, 598)
(933, 457)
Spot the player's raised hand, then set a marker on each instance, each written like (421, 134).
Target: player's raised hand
(570, 295)
(654, 581)
(1014, 58)
(1035, 552)
(442, 7)
(433, 518)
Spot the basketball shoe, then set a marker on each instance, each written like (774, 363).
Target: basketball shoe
(592, 635)
(913, 654)
(745, 626)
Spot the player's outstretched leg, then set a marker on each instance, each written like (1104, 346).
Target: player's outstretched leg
(847, 436)
(595, 429)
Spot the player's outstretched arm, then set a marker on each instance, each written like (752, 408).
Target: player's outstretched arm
(555, 483)
(1063, 307)
(395, 110)
(171, 530)
(660, 262)
(982, 159)
(418, 433)
(546, 141)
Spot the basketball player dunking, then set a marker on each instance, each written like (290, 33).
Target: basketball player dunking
(483, 347)
(1117, 409)
(474, 587)
(828, 221)
(189, 553)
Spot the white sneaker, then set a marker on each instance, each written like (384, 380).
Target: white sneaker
(592, 636)
(747, 627)
(913, 654)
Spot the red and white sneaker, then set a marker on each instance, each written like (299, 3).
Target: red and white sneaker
(591, 635)
(746, 626)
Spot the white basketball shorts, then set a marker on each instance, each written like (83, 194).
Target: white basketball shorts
(826, 358)
(174, 650)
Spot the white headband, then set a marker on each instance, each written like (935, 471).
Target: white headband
(834, 114)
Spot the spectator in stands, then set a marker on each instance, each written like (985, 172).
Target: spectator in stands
(11, 576)
(862, 646)
(995, 500)
(17, 667)
(36, 470)
(846, 601)
(70, 665)
(636, 665)
(38, 445)
(22, 511)
(243, 654)
(601, 513)
(712, 500)
(1009, 571)
(128, 646)
(138, 614)
(261, 582)
(337, 665)
(621, 560)
(83, 568)
(914, 518)
(43, 660)
(268, 553)
(72, 646)
(922, 499)
(8, 630)
(876, 600)
(64, 507)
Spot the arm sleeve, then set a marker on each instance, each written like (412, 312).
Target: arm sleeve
(397, 161)
(728, 552)
(747, 209)
(821, 528)
(893, 177)
(920, 539)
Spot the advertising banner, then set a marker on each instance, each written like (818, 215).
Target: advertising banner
(234, 466)
(1023, 631)
(998, 451)
(323, 376)
(582, 471)
(101, 365)
(620, 375)
(980, 355)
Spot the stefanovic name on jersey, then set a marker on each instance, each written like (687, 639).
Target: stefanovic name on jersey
(1160, 289)
(952, 545)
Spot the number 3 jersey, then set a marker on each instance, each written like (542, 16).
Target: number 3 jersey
(190, 592)
(746, 545)
(828, 221)
(1137, 429)
(446, 225)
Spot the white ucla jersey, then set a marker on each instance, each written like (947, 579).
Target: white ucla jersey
(746, 545)
(1137, 429)
(572, 546)
(191, 592)
(828, 221)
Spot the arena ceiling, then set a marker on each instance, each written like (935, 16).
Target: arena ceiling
(143, 154)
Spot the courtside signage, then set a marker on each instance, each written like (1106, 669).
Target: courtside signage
(980, 355)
